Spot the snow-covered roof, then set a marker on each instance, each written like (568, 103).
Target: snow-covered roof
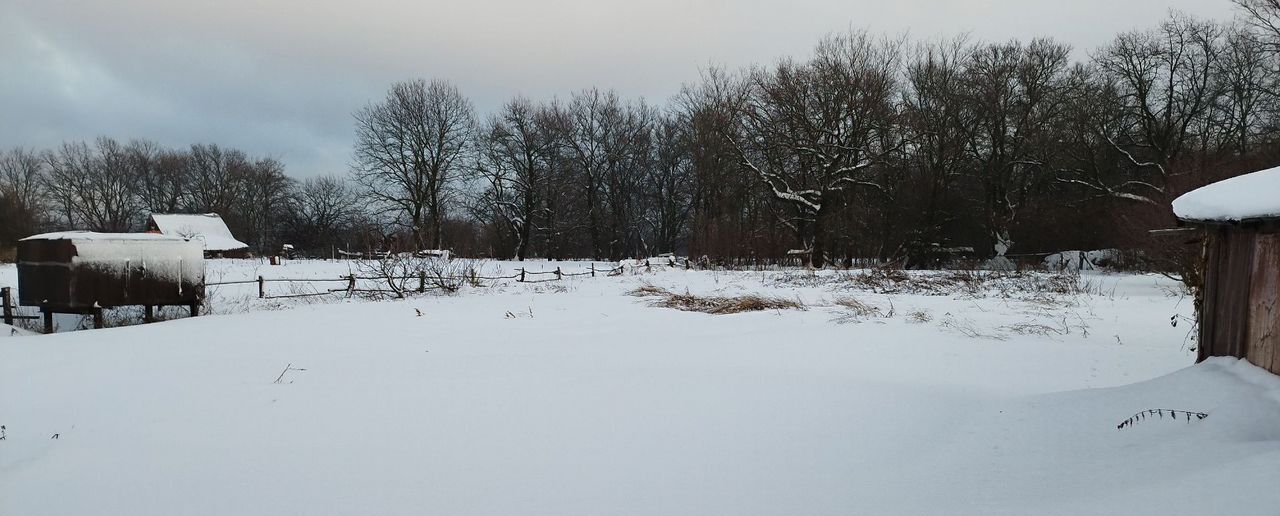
(90, 235)
(1250, 196)
(208, 227)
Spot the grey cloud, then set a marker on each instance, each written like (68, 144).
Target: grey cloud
(282, 78)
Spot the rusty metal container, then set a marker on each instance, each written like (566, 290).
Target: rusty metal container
(80, 271)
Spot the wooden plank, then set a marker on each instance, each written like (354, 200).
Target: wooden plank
(7, 300)
(1264, 312)
(1236, 292)
(1227, 295)
(1205, 346)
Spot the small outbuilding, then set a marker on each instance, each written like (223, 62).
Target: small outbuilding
(208, 228)
(82, 272)
(1240, 217)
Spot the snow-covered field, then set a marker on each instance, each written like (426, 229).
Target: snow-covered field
(573, 397)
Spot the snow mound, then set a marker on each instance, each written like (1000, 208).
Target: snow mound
(11, 331)
(1250, 196)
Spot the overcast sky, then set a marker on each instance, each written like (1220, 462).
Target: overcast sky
(282, 78)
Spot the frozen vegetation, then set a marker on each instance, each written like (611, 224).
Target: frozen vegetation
(860, 392)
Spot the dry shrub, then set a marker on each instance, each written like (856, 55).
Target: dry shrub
(715, 305)
(919, 317)
(403, 274)
(552, 288)
(856, 310)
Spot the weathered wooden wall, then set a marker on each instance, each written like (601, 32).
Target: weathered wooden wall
(1263, 336)
(1242, 288)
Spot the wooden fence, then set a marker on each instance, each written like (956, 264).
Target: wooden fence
(350, 284)
(425, 280)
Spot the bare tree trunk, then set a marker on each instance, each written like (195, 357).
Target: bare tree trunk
(817, 255)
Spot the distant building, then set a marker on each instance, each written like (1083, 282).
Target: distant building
(207, 228)
(1240, 220)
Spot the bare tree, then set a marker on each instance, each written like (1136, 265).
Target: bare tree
(514, 162)
(592, 115)
(22, 194)
(1164, 79)
(725, 202)
(162, 174)
(1015, 92)
(939, 121)
(628, 160)
(325, 207)
(1244, 87)
(560, 189)
(815, 130)
(1263, 16)
(95, 186)
(217, 178)
(410, 150)
(669, 183)
(265, 203)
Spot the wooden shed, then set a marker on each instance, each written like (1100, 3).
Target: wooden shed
(207, 228)
(83, 272)
(1240, 216)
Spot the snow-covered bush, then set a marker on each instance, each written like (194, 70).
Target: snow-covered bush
(406, 273)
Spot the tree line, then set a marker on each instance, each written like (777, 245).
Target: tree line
(872, 147)
(109, 186)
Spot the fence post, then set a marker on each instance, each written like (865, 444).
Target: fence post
(351, 284)
(262, 288)
(593, 269)
(558, 275)
(8, 305)
(422, 281)
(522, 274)
(48, 319)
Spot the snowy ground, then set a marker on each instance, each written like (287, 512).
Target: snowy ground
(574, 398)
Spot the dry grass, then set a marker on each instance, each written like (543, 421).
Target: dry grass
(968, 328)
(971, 283)
(856, 310)
(1034, 328)
(919, 317)
(715, 305)
(647, 290)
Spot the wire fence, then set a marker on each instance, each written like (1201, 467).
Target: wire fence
(426, 281)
